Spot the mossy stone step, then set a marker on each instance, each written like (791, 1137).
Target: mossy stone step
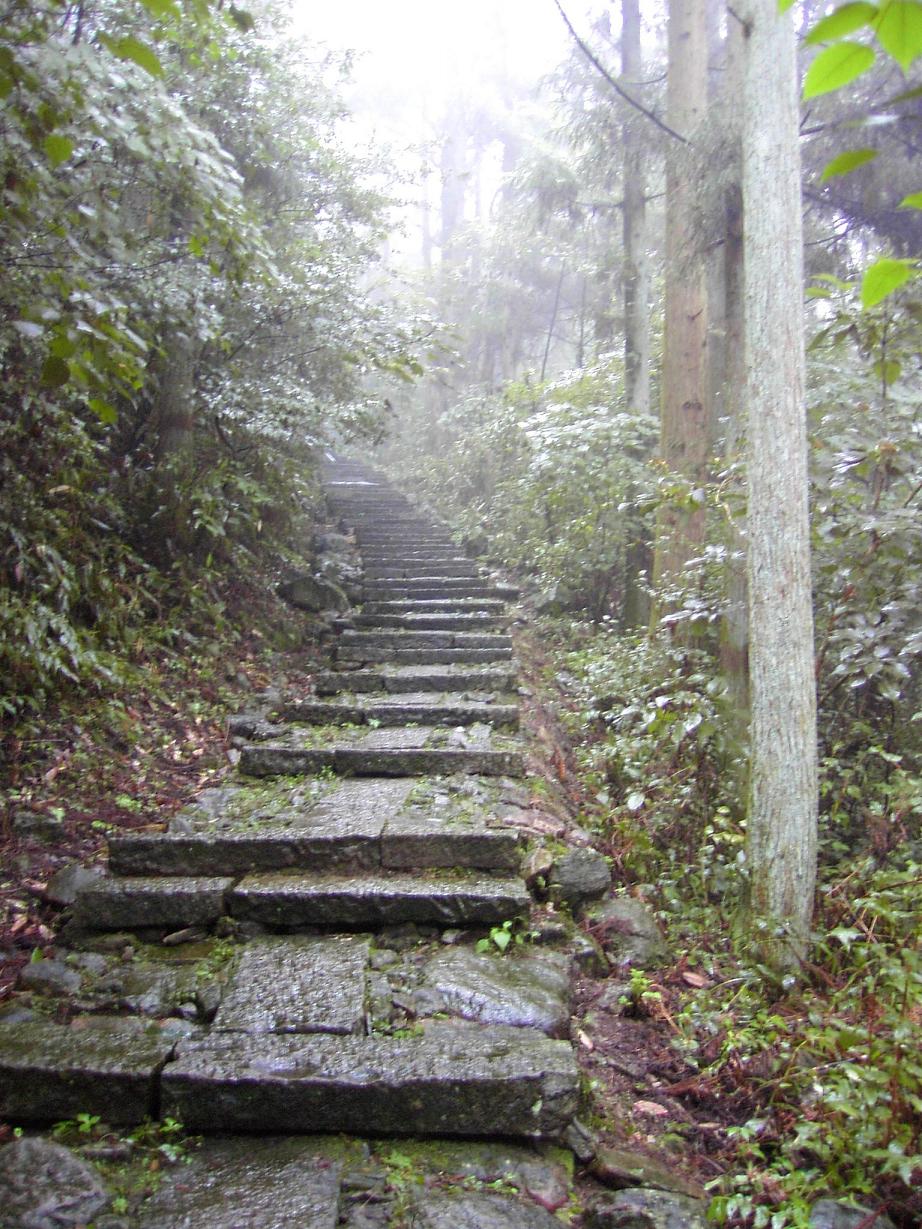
(416, 639)
(461, 605)
(403, 679)
(293, 899)
(283, 759)
(412, 622)
(456, 1082)
(356, 825)
(421, 711)
(423, 589)
(387, 554)
(108, 1066)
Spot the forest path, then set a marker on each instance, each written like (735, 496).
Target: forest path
(330, 943)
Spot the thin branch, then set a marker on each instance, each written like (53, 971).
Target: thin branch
(619, 89)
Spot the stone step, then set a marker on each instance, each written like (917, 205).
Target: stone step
(423, 640)
(487, 1081)
(294, 899)
(419, 657)
(271, 759)
(430, 622)
(388, 540)
(388, 554)
(356, 825)
(484, 605)
(403, 679)
(434, 710)
(462, 571)
(424, 589)
(467, 1082)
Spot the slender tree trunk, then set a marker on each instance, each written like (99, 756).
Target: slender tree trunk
(684, 425)
(783, 800)
(634, 219)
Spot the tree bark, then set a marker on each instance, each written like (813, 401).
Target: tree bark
(684, 424)
(783, 798)
(634, 219)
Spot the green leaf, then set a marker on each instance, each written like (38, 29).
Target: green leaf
(883, 277)
(913, 201)
(103, 411)
(836, 66)
(845, 163)
(55, 372)
(57, 149)
(899, 30)
(163, 9)
(133, 49)
(784, 5)
(841, 21)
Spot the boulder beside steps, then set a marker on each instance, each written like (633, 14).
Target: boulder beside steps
(391, 809)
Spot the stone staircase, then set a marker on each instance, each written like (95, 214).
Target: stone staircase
(239, 970)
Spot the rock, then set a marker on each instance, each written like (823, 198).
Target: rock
(831, 1214)
(588, 955)
(313, 593)
(65, 884)
(17, 1010)
(480, 1211)
(524, 991)
(620, 1168)
(333, 543)
(639, 1208)
(32, 826)
(536, 869)
(581, 1141)
(46, 1187)
(579, 875)
(628, 932)
(49, 977)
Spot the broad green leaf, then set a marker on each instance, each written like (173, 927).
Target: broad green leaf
(883, 277)
(844, 20)
(847, 162)
(163, 9)
(103, 411)
(139, 53)
(836, 66)
(55, 372)
(57, 149)
(784, 5)
(818, 292)
(899, 30)
(913, 201)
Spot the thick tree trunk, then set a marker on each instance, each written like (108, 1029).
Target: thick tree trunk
(684, 425)
(636, 258)
(783, 800)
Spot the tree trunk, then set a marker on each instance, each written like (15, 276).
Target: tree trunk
(783, 797)
(684, 425)
(634, 219)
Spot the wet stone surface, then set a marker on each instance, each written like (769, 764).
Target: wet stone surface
(44, 1186)
(297, 985)
(529, 991)
(480, 1211)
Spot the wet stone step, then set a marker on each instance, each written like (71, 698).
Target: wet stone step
(357, 825)
(263, 1183)
(292, 900)
(461, 1082)
(431, 622)
(402, 639)
(423, 710)
(446, 590)
(280, 759)
(105, 1066)
(155, 901)
(297, 985)
(421, 567)
(443, 606)
(402, 679)
(410, 556)
(357, 655)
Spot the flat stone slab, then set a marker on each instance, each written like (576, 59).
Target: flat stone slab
(237, 830)
(431, 622)
(422, 567)
(422, 640)
(282, 759)
(430, 840)
(527, 991)
(105, 1066)
(398, 680)
(114, 904)
(364, 902)
(424, 590)
(461, 605)
(266, 1183)
(431, 710)
(480, 1210)
(297, 985)
(357, 655)
(461, 1082)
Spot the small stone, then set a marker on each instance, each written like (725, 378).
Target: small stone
(187, 1011)
(49, 977)
(65, 884)
(32, 826)
(383, 958)
(580, 1140)
(579, 875)
(628, 932)
(481, 1211)
(208, 1000)
(45, 1186)
(536, 869)
(452, 937)
(17, 1010)
(188, 934)
(620, 1168)
(639, 1208)
(588, 955)
(831, 1214)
